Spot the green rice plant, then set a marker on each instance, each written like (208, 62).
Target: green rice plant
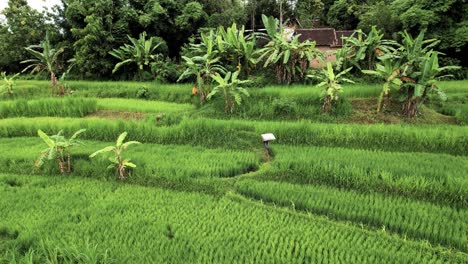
(65, 107)
(244, 134)
(415, 219)
(175, 164)
(143, 106)
(437, 178)
(401, 138)
(58, 148)
(128, 223)
(118, 162)
(200, 132)
(454, 87)
(459, 111)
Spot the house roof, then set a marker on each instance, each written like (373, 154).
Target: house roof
(340, 34)
(322, 36)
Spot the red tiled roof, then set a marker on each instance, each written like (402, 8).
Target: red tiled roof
(340, 34)
(322, 36)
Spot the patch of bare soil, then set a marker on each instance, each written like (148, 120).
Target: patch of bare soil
(365, 112)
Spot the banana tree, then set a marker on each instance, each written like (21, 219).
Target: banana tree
(422, 82)
(204, 62)
(236, 48)
(362, 49)
(58, 148)
(420, 70)
(388, 70)
(8, 84)
(45, 60)
(332, 84)
(290, 59)
(231, 89)
(141, 52)
(117, 161)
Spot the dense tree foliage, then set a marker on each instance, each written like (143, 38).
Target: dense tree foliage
(88, 30)
(23, 26)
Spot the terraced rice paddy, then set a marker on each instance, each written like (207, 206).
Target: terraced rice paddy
(204, 192)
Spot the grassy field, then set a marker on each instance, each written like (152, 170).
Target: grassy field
(344, 188)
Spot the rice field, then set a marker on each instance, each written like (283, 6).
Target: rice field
(203, 190)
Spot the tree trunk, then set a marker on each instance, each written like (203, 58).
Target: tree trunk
(410, 107)
(69, 162)
(327, 104)
(53, 82)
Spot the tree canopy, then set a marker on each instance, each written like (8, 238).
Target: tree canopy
(88, 30)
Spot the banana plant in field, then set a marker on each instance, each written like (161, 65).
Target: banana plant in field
(45, 60)
(118, 162)
(8, 84)
(290, 59)
(423, 81)
(237, 48)
(59, 149)
(420, 70)
(203, 66)
(389, 71)
(141, 52)
(230, 87)
(362, 49)
(332, 84)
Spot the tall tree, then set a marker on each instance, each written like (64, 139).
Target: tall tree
(23, 26)
(98, 26)
(307, 11)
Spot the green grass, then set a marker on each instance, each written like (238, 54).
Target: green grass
(244, 134)
(63, 107)
(404, 138)
(459, 111)
(199, 132)
(434, 177)
(203, 192)
(453, 87)
(108, 221)
(159, 161)
(418, 220)
(134, 105)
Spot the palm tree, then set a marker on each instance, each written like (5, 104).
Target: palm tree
(45, 60)
(203, 68)
(142, 52)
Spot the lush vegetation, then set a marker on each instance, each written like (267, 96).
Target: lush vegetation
(402, 185)
(369, 164)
